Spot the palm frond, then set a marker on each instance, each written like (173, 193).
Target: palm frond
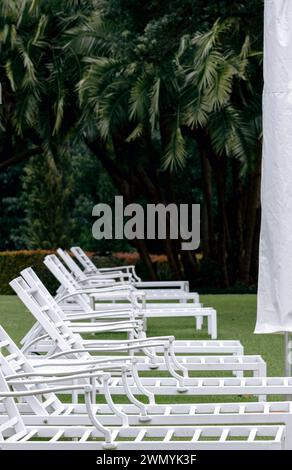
(136, 133)
(154, 102)
(139, 98)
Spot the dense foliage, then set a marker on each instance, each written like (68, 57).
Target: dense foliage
(157, 101)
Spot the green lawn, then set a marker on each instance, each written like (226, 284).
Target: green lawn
(236, 320)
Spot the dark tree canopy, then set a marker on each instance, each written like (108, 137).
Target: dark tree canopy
(159, 100)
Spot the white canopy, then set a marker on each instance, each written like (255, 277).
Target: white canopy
(275, 262)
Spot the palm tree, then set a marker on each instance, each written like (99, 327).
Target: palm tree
(37, 77)
(201, 93)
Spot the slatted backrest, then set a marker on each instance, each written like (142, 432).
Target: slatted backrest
(33, 280)
(31, 277)
(47, 313)
(14, 424)
(61, 273)
(71, 265)
(84, 260)
(67, 281)
(12, 362)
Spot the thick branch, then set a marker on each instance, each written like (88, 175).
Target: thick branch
(20, 158)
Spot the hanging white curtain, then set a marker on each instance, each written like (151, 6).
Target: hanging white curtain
(274, 311)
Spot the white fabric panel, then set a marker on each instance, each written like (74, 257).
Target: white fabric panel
(274, 310)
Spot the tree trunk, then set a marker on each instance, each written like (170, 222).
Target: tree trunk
(218, 166)
(207, 216)
(236, 221)
(251, 216)
(121, 183)
(224, 241)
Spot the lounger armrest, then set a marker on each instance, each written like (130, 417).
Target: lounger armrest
(104, 314)
(85, 373)
(42, 391)
(127, 360)
(91, 292)
(128, 268)
(50, 377)
(126, 327)
(105, 277)
(117, 268)
(123, 347)
(165, 284)
(157, 339)
(109, 288)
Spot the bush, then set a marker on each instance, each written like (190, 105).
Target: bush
(12, 262)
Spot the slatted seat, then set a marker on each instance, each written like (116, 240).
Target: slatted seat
(204, 438)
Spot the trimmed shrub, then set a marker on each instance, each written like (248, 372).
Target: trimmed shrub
(12, 262)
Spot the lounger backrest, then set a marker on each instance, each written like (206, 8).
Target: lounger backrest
(34, 281)
(46, 312)
(12, 362)
(30, 276)
(67, 281)
(71, 265)
(61, 273)
(84, 260)
(13, 425)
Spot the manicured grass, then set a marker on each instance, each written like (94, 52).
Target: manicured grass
(236, 320)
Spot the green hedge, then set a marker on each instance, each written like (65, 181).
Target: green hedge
(12, 262)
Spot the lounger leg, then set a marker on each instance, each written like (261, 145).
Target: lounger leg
(92, 321)
(212, 322)
(92, 306)
(75, 393)
(199, 323)
(261, 372)
(260, 397)
(238, 373)
(288, 440)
